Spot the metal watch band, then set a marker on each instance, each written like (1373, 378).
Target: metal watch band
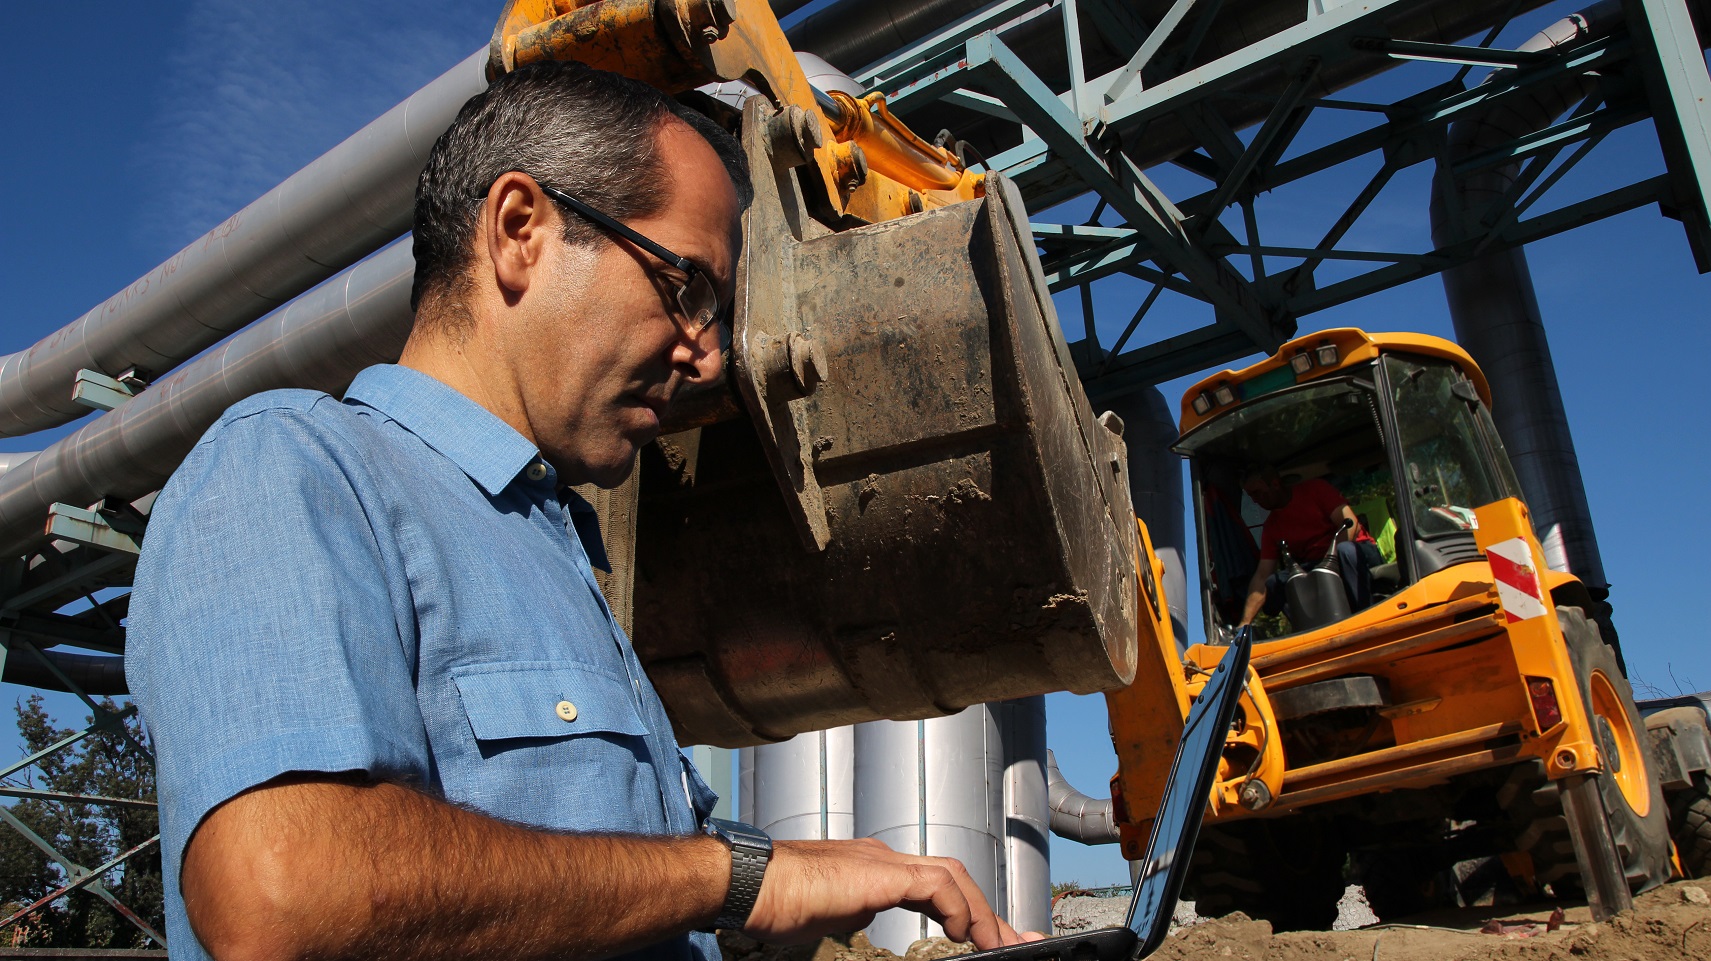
(750, 851)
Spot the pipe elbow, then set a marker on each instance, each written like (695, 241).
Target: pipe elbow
(1075, 815)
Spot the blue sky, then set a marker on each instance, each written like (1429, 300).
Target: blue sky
(161, 120)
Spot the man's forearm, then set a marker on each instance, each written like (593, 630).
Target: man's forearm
(328, 870)
(1251, 609)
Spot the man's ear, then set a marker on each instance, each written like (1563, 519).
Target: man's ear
(517, 224)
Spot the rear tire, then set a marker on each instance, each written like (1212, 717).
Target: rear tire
(1626, 787)
(1691, 814)
(1633, 800)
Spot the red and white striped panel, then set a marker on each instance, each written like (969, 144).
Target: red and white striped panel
(1518, 587)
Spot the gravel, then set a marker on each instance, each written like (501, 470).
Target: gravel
(1080, 913)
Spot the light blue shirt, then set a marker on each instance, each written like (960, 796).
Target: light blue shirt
(392, 584)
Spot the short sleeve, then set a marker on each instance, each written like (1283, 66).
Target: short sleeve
(1327, 497)
(263, 634)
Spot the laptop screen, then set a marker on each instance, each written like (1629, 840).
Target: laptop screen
(1191, 777)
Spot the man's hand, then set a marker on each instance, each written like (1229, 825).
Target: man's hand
(816, 888)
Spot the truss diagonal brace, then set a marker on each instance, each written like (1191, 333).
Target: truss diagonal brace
(1271, 135)
(1128, 190)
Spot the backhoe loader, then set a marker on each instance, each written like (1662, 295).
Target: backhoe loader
(1470, 709)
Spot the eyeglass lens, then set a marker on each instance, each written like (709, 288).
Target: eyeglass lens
(699, 302)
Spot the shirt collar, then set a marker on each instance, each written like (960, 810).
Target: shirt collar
(486, 448)
(586, 520)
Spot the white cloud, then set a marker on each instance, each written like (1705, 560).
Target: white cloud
(256, 92)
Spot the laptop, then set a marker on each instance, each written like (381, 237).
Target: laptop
(1174, 831)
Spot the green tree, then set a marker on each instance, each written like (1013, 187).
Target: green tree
(105, 764)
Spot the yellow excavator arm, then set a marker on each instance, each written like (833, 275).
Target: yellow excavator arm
(871, 166)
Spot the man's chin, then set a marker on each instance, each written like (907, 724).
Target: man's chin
(611, 473)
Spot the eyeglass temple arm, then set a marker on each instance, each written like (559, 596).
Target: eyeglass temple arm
(570, 201)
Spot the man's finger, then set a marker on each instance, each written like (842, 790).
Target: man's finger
(935, 893)
(985, 928)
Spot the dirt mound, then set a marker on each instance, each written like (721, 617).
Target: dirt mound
(1670, 923)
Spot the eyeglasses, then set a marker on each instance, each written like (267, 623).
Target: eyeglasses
(697, 302)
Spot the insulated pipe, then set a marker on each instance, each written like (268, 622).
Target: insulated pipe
(345, 205)
(98, 676)
(849, 34)
(319, 341)
(1155, 489)
(802, 789)
(922, 787)
(1027, 868)
(1075, 815)
(11, 460)
(1497, 319)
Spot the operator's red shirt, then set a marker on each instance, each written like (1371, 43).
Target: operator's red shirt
(1305, 523)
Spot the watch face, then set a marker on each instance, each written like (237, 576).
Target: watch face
(737, 833)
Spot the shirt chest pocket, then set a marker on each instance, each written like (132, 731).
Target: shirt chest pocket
(555, 744)
(534, 699)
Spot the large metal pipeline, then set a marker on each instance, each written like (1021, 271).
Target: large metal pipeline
(11, 460)
(1497, 319)
(96, 675)
(318, 341)
(342, 207)
(345, 205)
(356, 197)
(970, 786)
(803, 788)
(1075, 815)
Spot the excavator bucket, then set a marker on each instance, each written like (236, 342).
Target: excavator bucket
(921, 512)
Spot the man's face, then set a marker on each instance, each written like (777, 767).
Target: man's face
(1268, 491)
(603, 352)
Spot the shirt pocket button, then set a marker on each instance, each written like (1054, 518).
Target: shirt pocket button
(566, 711)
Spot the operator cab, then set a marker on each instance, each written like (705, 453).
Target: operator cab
(1352, 413)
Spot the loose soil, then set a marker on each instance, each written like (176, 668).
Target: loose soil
(1669, 923)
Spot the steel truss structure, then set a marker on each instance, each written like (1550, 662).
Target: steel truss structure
(1233, 121)
(1085, 138)
(95, 557)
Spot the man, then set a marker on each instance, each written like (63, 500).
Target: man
(394, 717)
(1309, 517)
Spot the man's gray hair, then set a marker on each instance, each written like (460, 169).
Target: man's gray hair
(589, 132)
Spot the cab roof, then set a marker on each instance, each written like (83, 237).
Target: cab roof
(1354, 347)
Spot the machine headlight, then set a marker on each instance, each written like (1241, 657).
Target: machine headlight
(1302, 362)
(1327, 354)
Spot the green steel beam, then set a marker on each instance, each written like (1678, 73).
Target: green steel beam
(1322, 36)
(1122, 184)
(61, 629)
(1679, 88)
(1167, 359)
(1080, 233)
(74, 578)
(96, 799)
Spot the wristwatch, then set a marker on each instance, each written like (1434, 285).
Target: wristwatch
(750, 850)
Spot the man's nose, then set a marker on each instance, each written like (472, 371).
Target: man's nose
(703, 356)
